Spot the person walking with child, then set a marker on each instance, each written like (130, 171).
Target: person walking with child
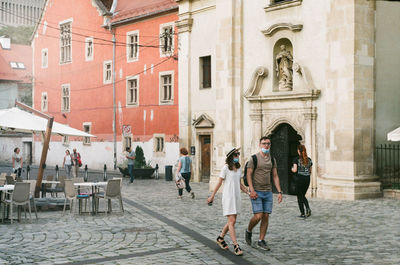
(184, 169)
(302, 167)
(230, 175)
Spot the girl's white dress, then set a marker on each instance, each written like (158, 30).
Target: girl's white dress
(231, 191)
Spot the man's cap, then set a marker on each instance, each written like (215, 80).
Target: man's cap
(232, 151)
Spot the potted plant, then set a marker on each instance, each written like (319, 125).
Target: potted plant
(141, 169)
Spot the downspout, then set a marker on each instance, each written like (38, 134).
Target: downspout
(112, 11)
(114, 103)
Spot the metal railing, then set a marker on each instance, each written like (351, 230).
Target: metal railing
(388, 165)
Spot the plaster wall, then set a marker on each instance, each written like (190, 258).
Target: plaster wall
(387, 69)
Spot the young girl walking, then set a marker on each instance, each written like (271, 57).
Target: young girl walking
(230, 175)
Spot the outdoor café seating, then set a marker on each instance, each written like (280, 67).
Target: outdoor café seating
(20, 196)
(72, 195)
(113, 191)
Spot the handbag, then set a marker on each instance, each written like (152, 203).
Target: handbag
(180, 184)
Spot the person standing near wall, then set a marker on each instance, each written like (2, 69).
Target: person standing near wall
(131, 161)
(17, 162)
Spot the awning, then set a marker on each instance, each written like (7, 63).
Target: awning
(394, 135)
(17, 120)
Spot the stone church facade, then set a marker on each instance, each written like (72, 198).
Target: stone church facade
(298, 71)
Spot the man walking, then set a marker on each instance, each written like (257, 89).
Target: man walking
(76, 158)
(259, 180)
(131, 161)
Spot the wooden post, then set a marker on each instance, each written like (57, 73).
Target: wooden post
(50, 120)
(44, 156)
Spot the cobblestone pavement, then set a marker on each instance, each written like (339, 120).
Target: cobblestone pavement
(156, 228)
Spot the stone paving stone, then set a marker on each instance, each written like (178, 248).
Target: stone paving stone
(338, 232)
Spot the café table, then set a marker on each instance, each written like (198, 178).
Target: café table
(44, 186)
(94, 185)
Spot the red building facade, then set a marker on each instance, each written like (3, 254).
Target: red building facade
(109, 68)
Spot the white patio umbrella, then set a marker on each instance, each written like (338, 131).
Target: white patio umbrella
(18, 120)
(394, 135)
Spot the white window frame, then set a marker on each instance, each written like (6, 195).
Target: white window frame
(45, 58)
(125, 141)
(44, 107)
(162, 27)
(62, 59)
(128, 79)
(161, 88)
(63, 107)
(87, 41)
(156, 139)
(128, 46)
(86, 140)
(105, 63)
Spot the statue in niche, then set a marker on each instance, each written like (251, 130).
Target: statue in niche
(284, 69)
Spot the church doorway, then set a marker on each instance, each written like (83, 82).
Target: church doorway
(284, 141)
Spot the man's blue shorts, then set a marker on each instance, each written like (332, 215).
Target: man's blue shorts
(263, 203)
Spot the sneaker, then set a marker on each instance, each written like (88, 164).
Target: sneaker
(179, 197)
(308, 212)
(247, 237)
(301, 216)
(262, 244)
(192, 194)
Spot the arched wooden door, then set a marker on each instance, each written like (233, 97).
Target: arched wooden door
(284, 141)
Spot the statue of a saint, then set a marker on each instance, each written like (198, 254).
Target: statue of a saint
(284, 70)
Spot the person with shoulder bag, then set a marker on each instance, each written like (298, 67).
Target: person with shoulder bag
(260, 190)
(302, 167)
(184, 170)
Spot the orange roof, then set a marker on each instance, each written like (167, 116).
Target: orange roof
(16, 54)
(133, 9)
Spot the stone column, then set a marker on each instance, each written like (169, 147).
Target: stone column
(227, 128)
(256, 128)
(311, 145)
(184, 25)
(350, 120)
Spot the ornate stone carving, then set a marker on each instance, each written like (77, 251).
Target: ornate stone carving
(204, 121)
(284, 69)
(282, 26)
(258, 76)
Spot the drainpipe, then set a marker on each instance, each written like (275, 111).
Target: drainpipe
(114, 104)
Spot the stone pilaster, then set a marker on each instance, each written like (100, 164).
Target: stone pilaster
(349, 123)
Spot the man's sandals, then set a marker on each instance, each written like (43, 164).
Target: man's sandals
(221, 242)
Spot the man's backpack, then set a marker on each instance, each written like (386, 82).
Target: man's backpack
(254, 157)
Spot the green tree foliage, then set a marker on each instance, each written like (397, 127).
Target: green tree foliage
(18, 35)
(140, 160)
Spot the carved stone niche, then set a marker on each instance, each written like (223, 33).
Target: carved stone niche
(283, 64)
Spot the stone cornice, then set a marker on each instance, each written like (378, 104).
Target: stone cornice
(282, 26)
(184, 25)
(308, 95)
(282, 5)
